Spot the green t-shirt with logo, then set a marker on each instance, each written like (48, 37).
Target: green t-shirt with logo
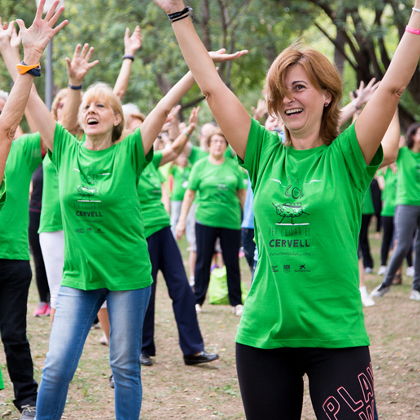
(217, 186)
(50, 211)
(180, 181)
(105, 246)
(24, 157)
(408, 177)
(150, 195)
(389, 193)
(2, 193)
(307, 208)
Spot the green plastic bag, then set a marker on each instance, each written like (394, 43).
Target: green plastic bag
(218, 291)
(1, 381)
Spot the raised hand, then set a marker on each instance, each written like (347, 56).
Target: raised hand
(38, 35)
(220, 56)
(170, 6)
(194, 117)
(5, 33)
(133, 42)
(364, 93)
(15, 39)
(79, 65)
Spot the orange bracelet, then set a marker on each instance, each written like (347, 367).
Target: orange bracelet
(23, 68)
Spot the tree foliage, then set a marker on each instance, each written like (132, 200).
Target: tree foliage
(363, 33)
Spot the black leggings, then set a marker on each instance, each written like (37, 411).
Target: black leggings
(271, 382)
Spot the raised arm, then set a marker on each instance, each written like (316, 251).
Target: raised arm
(377, 114)
(154, 121)
(132, 43)
(175, 148)
(34, 40)
(391, 140)
(77, 68)
(228, 111)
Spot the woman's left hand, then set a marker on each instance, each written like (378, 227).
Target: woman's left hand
(79, 65)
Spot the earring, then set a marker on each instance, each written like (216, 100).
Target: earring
(326, 104)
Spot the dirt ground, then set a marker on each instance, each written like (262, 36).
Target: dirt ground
(172, 390)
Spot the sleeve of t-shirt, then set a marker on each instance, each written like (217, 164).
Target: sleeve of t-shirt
(157, 158)
(348, 150)
(260, 143)
(135, 143)
(63, 140)
(31, 145)
(194, 178)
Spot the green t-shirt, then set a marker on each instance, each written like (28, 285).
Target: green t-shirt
(389, 193)
(2, 193)
(104, 238)
(367, 205)
(50, 210)
(408, 177)
(24, 158)
(217, 186)
(307, 209)
(150, 195)
(180, 181)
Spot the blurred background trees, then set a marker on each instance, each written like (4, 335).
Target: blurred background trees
(359, 36)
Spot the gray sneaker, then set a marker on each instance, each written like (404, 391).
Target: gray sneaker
(380, 291)
(28, 412)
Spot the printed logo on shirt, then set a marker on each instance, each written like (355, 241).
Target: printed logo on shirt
(302, 269)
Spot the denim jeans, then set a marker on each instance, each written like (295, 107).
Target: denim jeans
(75, 313)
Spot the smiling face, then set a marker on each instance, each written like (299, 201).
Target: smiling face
(303, 105)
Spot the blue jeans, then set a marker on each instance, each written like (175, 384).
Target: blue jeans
(75, 312)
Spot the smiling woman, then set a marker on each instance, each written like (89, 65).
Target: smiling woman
(303, 314)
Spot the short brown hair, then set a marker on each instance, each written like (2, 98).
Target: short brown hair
(411, 132)
(102, 91)
(216, 132)
(322, 74)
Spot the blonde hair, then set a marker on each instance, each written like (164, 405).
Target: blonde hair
(321, 73)
(103, 92)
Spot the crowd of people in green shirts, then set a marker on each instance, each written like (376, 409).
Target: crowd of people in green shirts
(108, 224)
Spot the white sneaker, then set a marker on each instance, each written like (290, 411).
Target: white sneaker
(103, 340)
(198, 308)
(368, 270)
(415, 295)
(238, 310)
(191, 281)
(382, 270)
(410, 271)
(366, 299)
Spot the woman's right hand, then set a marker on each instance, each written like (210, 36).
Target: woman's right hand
(180, 229)
(170, 6)
(39, 34)
(79, 65)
